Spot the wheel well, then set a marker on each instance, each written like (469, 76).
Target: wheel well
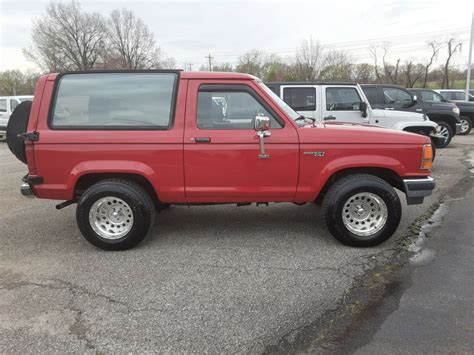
(444, 118)
(419, 130)
(390, 176)
(87, 180)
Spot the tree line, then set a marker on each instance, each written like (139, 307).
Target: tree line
(67, 38)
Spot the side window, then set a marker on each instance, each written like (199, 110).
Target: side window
(232, 110)
(396, 96)
(3, 105)
(459, 95)
(13, 104)
(300, 99)
(371, 93)
(430, 96)
(110, 101)
(342, 99)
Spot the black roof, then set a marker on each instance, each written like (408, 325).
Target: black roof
(325, 82)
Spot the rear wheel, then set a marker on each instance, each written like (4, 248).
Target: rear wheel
(466, 125)
(361, 210)
(115, 214)
(447, 134)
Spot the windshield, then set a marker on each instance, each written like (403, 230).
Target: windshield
(288, 110)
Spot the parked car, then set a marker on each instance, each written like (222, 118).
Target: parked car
(85, 144)
(346, 102)
(466, 109)
(392, 97)
(7, 105)
(455, 95)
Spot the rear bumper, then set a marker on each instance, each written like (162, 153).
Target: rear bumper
(28, 181)
(417, 189)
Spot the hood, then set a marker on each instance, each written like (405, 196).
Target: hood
(353, 133)
(465, 104)
(402, 115)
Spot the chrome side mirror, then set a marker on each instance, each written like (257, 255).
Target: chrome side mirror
(262, 123)
(262, 127)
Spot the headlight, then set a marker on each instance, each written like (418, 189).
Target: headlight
(427, 157)
(456, 110)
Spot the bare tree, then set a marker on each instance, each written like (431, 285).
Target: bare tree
(413, 73)
(131, 42)
(374, 55)
(252, 63)
(337, 66)
(434, 53)
(364, 73)
(308, 60)
(66, 38)
(452, 48)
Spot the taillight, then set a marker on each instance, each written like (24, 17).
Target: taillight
(427, 157)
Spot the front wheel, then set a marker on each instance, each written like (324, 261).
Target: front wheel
(115, 214)
(466, 125)
(361, 210)
(446, 133)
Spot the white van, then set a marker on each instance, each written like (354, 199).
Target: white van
(7, 105)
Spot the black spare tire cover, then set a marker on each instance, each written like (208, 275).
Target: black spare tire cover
(17, 124)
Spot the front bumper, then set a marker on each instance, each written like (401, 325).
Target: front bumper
(417, 189)
(458, 127)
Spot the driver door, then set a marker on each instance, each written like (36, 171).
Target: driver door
(221, 147)
(342, 104)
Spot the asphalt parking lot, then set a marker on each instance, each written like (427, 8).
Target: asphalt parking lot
(215, 279)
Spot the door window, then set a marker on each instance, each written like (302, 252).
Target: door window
(396, 96)
(300, 99)
(13, 105)
(3, 105)
(342, 99)
(230, 110)
(431, 96)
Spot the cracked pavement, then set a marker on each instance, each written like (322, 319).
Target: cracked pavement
(210, 278)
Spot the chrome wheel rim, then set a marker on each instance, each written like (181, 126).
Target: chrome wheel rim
(111, 217)
(464, 125)
(444, 133)
(364, 214)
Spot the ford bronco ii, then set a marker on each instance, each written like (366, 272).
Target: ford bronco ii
(124, 144)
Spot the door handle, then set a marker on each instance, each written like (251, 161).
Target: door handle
(329, 118)
(202, 140)
(389, 108)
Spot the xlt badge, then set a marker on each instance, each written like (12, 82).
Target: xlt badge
(316, 154)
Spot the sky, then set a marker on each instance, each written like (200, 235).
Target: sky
(190, 30)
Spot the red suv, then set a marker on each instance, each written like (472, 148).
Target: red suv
(124, 144)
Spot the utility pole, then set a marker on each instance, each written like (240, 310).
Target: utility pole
(190, 66)
(210, 58)
(469, 61)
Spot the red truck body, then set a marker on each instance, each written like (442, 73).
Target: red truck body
(207, 138)
(226, 169)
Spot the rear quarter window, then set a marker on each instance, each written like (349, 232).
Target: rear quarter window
(114, 101)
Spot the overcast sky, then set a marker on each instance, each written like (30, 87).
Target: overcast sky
(189, 30)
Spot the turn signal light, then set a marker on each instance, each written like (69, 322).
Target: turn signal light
(427, 158)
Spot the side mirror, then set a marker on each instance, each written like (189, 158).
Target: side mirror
(415, 99)
(262, 123)
(363, 108)
(262, 126)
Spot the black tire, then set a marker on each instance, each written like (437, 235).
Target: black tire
(468, 122)
(449, 131)
(341, 192)
(17, 124)
(134, 195)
